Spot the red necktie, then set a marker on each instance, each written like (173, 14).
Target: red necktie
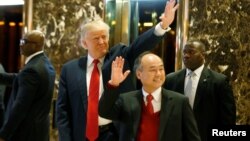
(93, 98)
(149, 106)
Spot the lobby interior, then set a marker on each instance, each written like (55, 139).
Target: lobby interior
(222, 25)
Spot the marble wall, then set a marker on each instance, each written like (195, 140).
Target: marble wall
(223, 25)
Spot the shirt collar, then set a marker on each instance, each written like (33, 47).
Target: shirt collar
(91, 59)
(32, 55)
(197, 71)
(156, 94)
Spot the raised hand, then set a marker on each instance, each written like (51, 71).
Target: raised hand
(169, 13)
(117, 75)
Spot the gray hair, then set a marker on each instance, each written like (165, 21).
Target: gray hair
(93, 25)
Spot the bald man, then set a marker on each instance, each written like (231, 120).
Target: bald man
(27, 113)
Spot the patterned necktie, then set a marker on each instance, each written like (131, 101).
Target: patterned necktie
(149, 106)
(93, 98)
(189, 90)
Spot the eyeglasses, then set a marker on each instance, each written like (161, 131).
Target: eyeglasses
(25, 41)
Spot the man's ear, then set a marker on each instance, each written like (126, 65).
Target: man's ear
(204, 54)
(84, 44)
(138, 74)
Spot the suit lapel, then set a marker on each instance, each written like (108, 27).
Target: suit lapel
(201, 88)
(106, 69)
(83, 83)
(166, 110)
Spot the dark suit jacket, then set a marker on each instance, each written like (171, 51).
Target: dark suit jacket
(27, 115)
(71, 108)
(177, 122)
(2, 92)
(214, 101)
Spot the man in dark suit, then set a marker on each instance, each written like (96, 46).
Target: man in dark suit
(73, 99)
(168, 116)
(27, 114)
(212, 98)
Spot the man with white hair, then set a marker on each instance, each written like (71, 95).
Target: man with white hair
(83, 80)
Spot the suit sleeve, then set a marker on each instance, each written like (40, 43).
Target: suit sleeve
(145, 42)
(7, 78)
(62, 110)
(190, 129)
(110, 104)
(227, 103)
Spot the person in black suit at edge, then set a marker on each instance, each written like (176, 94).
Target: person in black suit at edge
(27, 113)
(2, 92)
(212, 98)
(167, 117)
(73, 103)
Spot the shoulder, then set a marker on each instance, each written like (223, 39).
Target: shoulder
(176, 74)
(173, 94)
(131, 94)
(215, 75)
(75, 62)
(175, 97)
(117, 47)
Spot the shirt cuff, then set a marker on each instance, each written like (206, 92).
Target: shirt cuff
(159, 31)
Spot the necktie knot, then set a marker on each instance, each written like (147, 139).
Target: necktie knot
(95, 61)
(191, 74)
(149, 98)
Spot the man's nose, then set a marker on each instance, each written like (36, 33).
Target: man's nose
(100, 40)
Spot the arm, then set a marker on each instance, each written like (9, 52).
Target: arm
(7, 78)
(149, 39)
(109, 106)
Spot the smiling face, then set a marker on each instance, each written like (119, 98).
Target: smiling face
(193, 54)
(96, 42)
(151, 72)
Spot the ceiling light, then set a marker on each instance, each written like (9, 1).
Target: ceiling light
(11, 2)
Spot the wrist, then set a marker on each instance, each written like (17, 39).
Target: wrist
(112, 84)
(164, 27)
